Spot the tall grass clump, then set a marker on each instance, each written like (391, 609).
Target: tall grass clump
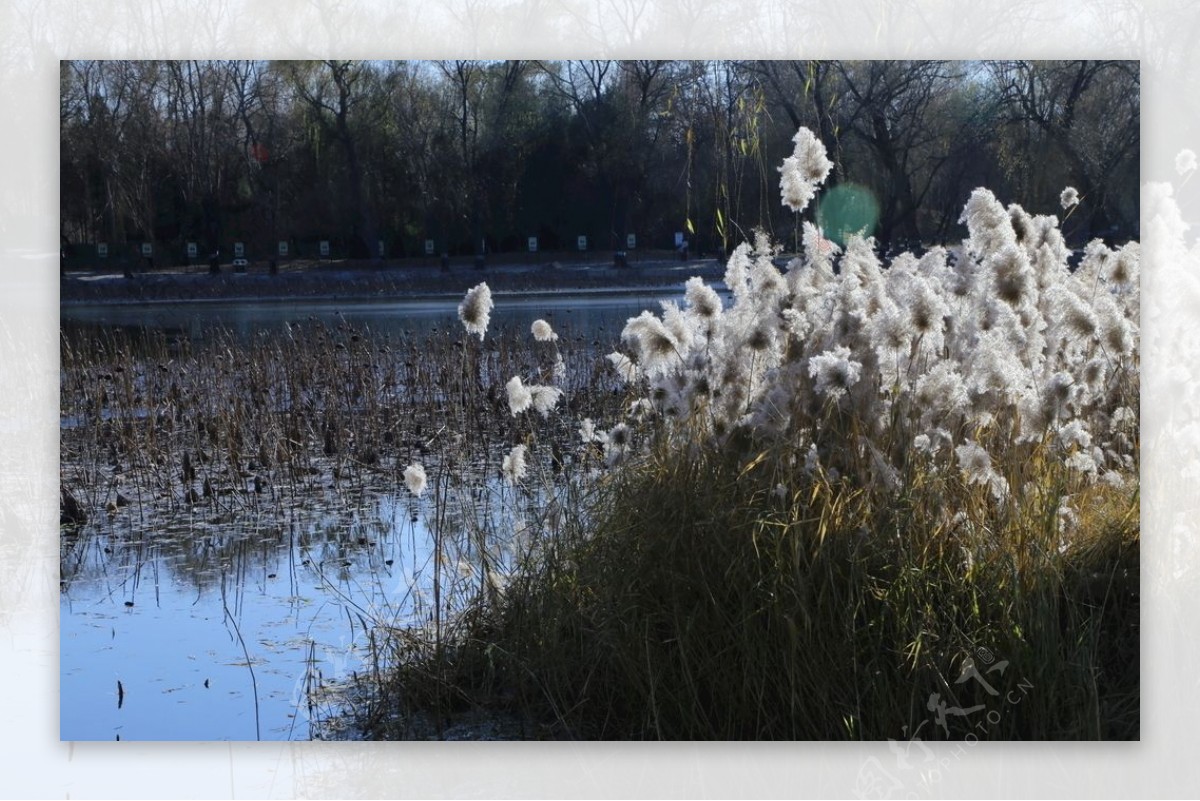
(860, 500)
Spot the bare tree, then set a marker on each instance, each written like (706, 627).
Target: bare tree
(808, 94)
(110, 114)
(200, 128)
(733, 104)
(1088, 113)
(894, 115)
(618, 106)
(483, 96)
(336, 92)
(480, 154)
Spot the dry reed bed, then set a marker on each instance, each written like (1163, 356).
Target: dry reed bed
(273, 437)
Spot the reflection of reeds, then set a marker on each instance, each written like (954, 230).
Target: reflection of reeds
(249, 661)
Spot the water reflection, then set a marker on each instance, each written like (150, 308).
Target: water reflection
(160, 611)
(165, 611)
(193, 321)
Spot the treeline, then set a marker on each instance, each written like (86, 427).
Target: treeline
(481, 155)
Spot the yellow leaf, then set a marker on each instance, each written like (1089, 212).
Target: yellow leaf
(753, 463)
(691, 230)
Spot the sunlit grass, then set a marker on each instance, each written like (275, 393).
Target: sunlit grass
(703, 603)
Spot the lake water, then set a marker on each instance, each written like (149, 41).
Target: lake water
(207, 626)
(225, 630)
(581, 311)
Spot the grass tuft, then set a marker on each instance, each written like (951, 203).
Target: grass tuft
(717, 597)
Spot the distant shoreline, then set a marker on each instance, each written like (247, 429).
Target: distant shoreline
(317, 282)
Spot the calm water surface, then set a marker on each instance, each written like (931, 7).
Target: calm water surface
(582, 311)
